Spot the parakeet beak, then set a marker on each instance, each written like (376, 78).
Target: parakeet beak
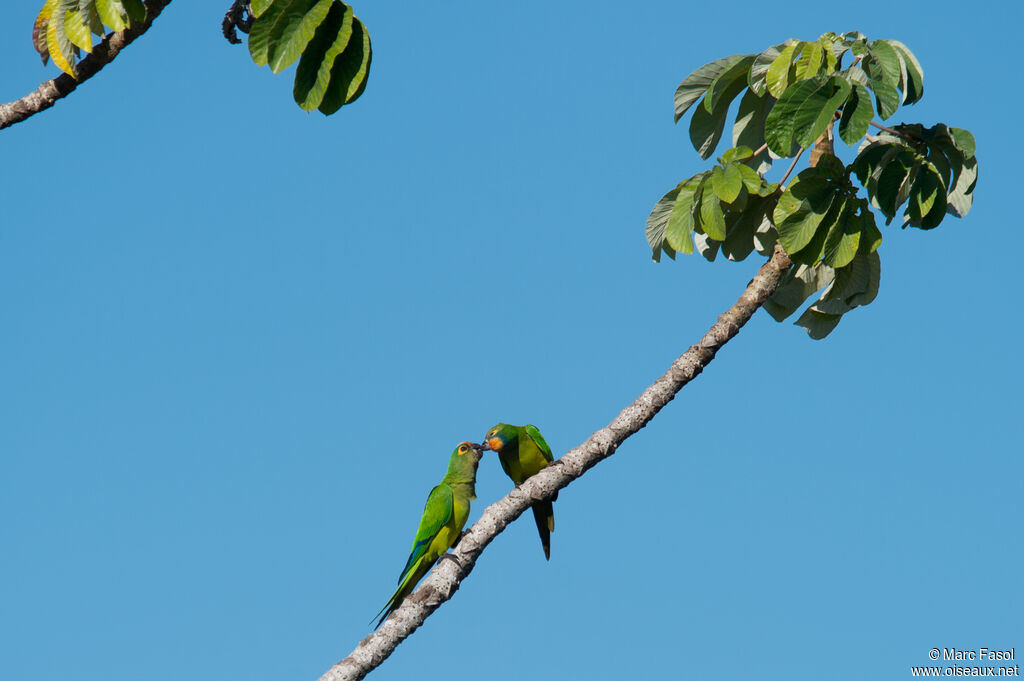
(483, 448)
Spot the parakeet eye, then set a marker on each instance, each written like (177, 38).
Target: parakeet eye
(463, 449)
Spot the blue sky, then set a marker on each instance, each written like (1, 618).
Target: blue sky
(240, 342)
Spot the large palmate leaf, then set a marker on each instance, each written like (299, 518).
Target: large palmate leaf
(331, 45)
(932, 170)
(803, 112)
(697, 83)
(796, 93)
(708, 120)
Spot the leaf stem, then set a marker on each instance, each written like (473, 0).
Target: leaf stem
(897, 133)
(782, 182)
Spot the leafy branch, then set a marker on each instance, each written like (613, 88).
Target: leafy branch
(795, 93)
(99, 55)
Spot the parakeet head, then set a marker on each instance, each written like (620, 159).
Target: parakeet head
(499, 436)
(464, 461)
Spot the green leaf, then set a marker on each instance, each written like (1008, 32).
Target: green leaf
(843, 239)
(752, 182)
(815, 249)
(742, 226)
(780, 71)
(92, 17)
(759, 69)
(350, 71)
(113, 14)
(61, 50)
(854, 285)
(696, 84)
(814, 117)
(77, 30)
(927, 204)
(809, 63)
(963, 140)
(657, 222)
(818, 324)
(833, 50)
(749, 127)
(258, 7)
(728, 84)
(960, 199)
(803, 113)
(887, 97)
(857, 113)
(855, 74)
(885, 63)
(801, 209)
(871, 156)
(914, 85)
(293, 31)
(737, 153)
(706, 246)
(706, 130)
(680, 221)
(710, 217)
(314, 71)
(870, 238)
(796, 286)
(894, 182)
(259, 32)
(727, 182)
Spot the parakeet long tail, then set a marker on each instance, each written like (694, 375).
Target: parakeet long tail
(544, 515)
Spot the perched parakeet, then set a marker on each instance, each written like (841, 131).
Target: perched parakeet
(523, 452)
(443, 519)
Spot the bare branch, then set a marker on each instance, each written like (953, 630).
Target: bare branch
(47, 94)
(444, 579)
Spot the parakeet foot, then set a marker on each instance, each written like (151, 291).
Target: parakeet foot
(452, 557)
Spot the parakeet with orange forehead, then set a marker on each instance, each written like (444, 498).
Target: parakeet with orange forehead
(523, 453)
(444, 516)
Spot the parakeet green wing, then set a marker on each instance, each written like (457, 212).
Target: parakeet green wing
(542, 444)
(436, 513)
(523, 452)
(444, 516)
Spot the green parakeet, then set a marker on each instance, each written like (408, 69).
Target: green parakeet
(443, 519)
(523, 453)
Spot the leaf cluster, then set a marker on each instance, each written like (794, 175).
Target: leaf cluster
(330, 43)
(65, 28)
(793, 95)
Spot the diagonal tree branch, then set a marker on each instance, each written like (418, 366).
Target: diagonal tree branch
(444, 579)
(47, 94)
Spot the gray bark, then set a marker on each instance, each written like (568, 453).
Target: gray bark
(104, 52)
(444, 580)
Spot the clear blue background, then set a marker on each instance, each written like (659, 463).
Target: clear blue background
(239, 342)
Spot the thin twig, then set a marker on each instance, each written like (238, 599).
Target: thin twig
(897, 133)
(782, 182)
(104, 52)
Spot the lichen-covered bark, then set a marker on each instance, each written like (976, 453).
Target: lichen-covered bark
(49, 92)
(443, 581)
